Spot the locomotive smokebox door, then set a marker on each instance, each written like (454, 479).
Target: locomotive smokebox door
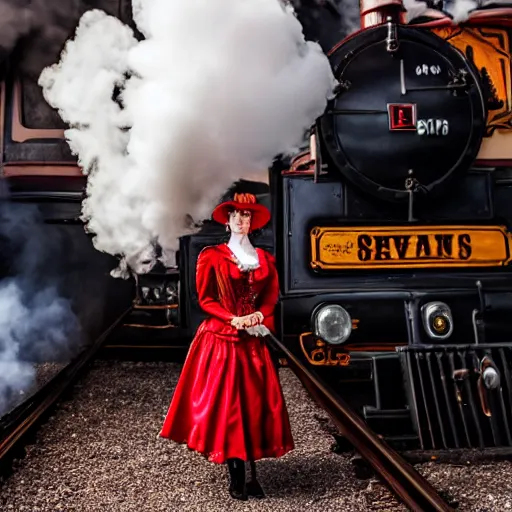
(417, 110)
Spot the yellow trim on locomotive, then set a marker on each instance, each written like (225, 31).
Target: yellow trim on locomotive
(340, 248)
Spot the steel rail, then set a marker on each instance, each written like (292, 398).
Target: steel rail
(404, 481)
(16, 424)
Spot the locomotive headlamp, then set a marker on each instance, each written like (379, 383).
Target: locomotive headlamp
(333, 324)
(437, 320)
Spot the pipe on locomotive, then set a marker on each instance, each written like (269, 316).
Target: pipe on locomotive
(376, 12)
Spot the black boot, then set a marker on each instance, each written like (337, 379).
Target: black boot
(253, 486)
(237, 488)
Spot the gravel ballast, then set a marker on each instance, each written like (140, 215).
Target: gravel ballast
(101, 452)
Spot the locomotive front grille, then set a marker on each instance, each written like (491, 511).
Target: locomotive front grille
(459, 396)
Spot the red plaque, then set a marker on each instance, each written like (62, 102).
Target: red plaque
(402, 116)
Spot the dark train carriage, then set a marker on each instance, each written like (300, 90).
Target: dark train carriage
(392, 230)
(42, 188)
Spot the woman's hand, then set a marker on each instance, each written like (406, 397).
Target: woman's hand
(255, 319)
(260, 317)
(241, 322)
(238, 322)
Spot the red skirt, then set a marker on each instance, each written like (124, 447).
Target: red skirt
(228, 402)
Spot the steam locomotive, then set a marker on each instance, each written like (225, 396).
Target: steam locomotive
(392, 231)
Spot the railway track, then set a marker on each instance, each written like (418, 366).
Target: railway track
(402, 479)
(19, 424)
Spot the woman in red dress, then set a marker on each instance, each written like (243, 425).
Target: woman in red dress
(228, 403)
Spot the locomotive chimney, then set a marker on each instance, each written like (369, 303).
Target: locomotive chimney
(376, 12)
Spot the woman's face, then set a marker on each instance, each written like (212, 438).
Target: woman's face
(240, 222)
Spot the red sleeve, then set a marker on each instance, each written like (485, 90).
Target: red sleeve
(270, 294)
(206, 283)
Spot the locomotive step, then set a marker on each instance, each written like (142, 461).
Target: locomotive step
(370, 412)
(394, 425)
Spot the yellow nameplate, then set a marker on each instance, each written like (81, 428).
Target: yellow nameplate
(336, 248)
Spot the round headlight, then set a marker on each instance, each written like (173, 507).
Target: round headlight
(437, 320)
(333, 324)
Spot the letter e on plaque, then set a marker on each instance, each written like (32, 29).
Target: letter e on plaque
(402, 116)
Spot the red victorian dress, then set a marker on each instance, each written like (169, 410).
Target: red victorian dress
(228, 402)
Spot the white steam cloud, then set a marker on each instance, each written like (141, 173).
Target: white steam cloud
(212, 95)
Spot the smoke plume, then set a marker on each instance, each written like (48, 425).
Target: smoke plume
(459, 10)
(350, 16)
(415, 8)
(164, 126)
(35, 327)
(328, 21)
(36, 323)
(44, 26)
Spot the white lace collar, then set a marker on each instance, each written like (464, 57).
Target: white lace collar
(244, 259)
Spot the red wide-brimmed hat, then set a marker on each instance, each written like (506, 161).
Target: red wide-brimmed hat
(260, 214)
